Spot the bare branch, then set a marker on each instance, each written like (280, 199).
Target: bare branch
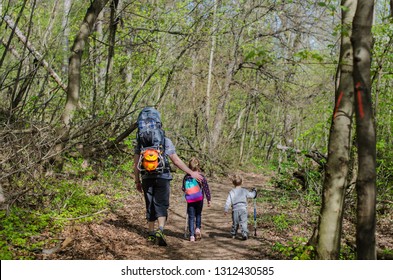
(36, 54)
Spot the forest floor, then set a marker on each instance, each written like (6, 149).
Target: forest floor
(121, 233)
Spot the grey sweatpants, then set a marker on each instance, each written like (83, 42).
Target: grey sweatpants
(239, 218)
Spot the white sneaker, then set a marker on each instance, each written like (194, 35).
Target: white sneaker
(198, 233)
(192, 238)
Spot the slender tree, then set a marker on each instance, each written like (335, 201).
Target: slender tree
(365, 130)
(112, 41)
(74, 70)
(74, 76)
(65, 27)
(336, 171)
(210, 73)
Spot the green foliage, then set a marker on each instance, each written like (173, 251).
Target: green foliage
(5, 252)
(297, 249)
(29, 226)
(281, 222)
(310, 184)
(383, 63)
(74, 165)
(260, 56)
(18, 229)
(347, 253)
(384, 170)
(73, 201)
(315, 134)
(309, 55)
(284, 179)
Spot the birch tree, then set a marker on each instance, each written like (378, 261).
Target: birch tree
(66, 33)
(210, 73)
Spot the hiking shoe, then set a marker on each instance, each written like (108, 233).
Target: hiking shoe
(192, 238)
(198, 233)
(233, 236)
(245, 236)
(160, 238)
(151, 238)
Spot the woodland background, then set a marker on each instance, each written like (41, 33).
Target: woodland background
(244, 85)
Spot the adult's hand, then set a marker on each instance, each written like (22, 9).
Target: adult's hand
(196, 175)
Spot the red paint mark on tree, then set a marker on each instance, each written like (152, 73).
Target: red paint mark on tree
(359, 92)
(338, 104)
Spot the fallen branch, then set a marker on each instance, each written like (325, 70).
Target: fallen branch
(84, 216)
(286, 148)
(314, 155)
(317, 157)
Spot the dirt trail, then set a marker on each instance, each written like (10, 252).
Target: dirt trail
(216, 242)
(122, 234)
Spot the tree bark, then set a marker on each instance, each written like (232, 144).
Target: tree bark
(48, 31)
(336, 172)
(75, 60)
(74, 75)
(66, 33)
(220, 113)
(209, 77)
(112, 41)
(365, 130)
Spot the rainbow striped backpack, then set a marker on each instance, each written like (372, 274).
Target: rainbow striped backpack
(192, 190)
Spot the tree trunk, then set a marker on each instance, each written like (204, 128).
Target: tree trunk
(220, 113)
(7, 45)
(391, 8)
(245, 128)
(336, 172)
(365, 129)
(74, 75)
(112, 42)
(75, 60)
(99, 69)
(16, 96)
(209, 77)
(66, 33)
(48, 31)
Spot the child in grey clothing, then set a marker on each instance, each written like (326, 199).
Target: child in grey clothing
(237, 198)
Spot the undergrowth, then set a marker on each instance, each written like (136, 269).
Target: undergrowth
(297, 249)
(36, 218)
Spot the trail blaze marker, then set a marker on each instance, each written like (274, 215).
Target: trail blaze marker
(359, 92)
(338, 104)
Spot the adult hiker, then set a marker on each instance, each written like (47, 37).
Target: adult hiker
(152, 171)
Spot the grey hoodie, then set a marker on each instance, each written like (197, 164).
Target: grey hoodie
(237, 198)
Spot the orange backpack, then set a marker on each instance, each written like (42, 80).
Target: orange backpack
(150, 159)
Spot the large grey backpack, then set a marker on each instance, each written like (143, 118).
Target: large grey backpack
(151, 141)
